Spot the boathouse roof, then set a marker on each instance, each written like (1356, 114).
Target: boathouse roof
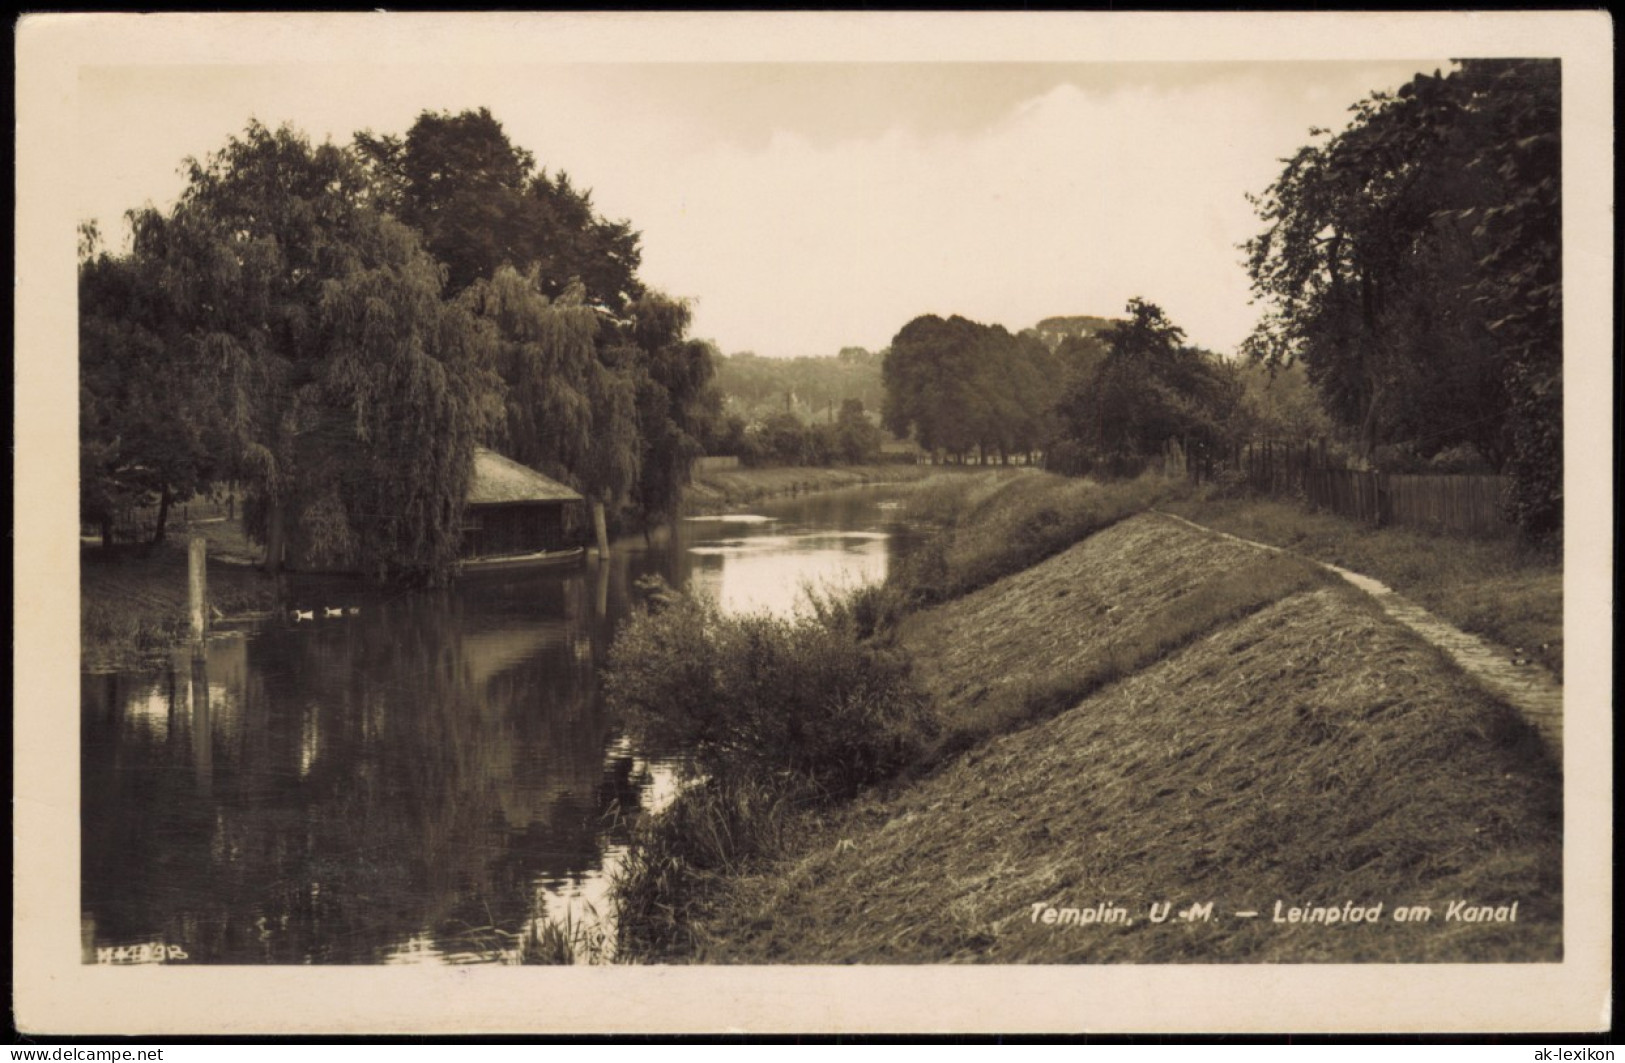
(499, 480)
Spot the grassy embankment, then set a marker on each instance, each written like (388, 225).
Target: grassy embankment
(718, 490)
(132, 605)
(1492, 587)
(1152, 714)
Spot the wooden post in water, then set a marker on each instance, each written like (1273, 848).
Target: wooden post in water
(197, 586)
(603, 591)
(197, 695)
(600, 528)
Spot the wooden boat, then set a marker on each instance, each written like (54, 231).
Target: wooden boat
(505, 563)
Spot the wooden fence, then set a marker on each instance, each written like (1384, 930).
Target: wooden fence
(1465, 504)
(1468, 504)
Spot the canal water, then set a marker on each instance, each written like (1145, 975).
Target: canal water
(417, 778)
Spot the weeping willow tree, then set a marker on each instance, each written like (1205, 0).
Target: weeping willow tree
(352, 393)
(605, 404)
(602, 385)
(614, 460)
(407, 380)
(671, 375)
(545, 353)
(571, 406)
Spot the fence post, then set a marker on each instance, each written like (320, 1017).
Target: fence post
(197, 586)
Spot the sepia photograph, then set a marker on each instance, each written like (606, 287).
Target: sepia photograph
(813, 522)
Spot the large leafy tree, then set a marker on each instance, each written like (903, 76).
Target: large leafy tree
(457, 180)
(604, 389)
(149, 424)
(480, 204)
(1149, 387)
(567, 241)
(857, 438)
(545, 351)
(1412, 263)
(674, 372)
(927, 373)
(351, 392)
(1518, 278)
(961, 386)
(1278, 403)
(338, 328)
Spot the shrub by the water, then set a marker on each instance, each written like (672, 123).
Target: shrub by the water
(760, 697)
(780, 715)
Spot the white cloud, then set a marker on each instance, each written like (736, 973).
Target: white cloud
(1072, 204)
(795, 226)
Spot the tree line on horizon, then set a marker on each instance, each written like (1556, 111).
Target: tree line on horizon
(1410, 267)
(806, 410)
(1098, 398)
(337, 328)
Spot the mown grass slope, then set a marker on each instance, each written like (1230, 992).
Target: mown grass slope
(1303, 750)
(1039, 641)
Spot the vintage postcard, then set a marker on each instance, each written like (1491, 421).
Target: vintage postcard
(813, 522)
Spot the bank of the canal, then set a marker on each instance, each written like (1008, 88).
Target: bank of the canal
(1177, 750)
(407, 776)
(1135, 713)
(719, 490)
(133, 601)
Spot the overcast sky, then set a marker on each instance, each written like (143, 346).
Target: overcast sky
(804, 207)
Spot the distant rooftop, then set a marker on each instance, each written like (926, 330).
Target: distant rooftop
(498, 479)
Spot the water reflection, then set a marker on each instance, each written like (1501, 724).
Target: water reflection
(413, 780)
(775, 572)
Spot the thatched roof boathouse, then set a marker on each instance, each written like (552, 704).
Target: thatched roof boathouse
(516, 517)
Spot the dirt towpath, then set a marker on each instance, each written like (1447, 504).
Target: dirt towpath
(1529, 688)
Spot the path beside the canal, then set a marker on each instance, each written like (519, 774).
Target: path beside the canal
(1521, 683)
(1174, 716)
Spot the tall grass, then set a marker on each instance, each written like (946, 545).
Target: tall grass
(710, 832)
(781, 715)
(131, 630)
(560, 941)
(133, 605)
